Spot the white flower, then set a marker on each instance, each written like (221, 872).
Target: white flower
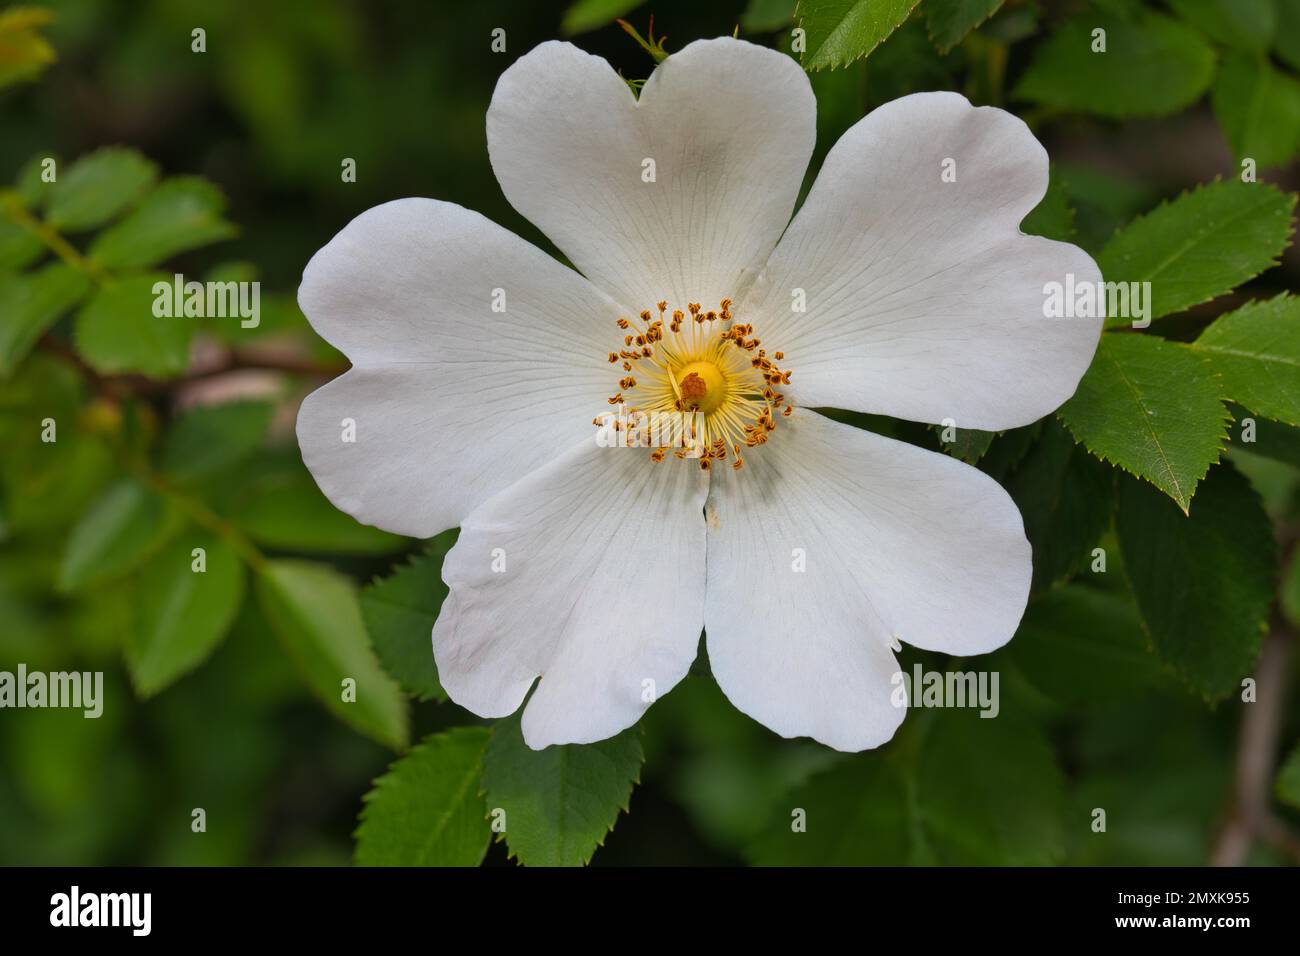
(597, 568)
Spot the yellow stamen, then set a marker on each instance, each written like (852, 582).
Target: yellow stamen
(702, 391)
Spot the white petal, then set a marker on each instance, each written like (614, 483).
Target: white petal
(451, 400)
(898, 543)
(602, 594)
(924, 299)
(729, 126)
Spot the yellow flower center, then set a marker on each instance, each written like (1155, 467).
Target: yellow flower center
(702, 386)
(697, 384)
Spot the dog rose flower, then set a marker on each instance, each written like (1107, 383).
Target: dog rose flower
(484, 373)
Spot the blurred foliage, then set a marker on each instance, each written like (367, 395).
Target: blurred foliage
(24, 52)
(131, 157)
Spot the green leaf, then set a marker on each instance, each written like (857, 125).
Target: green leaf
(560, 802)
(288, 512)
(183, 613)
(586, 15)
(841, 31)
(1152, 408)
(314, 611)
(1081, 647)
(32, 303)
(212, 437)
(97, 188)
(1243, 24)
(1288, 780)
(400, 611)
(1256, 351)
(30, 182)
(1204, 582)
(981, 792)
(1259, 110)
(1274, 440)
(1153, 66)
(948, 21)
(427, 810)
(1064, 495)
(24, 53)
(183, 213)
(1008, 448)
(1201, 245)
(19, 246)
(767, 16)
(968, 444)
(117, 331)
(46, 485)
(1277, 483)
(118, 533)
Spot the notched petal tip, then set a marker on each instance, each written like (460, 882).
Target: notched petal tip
(927, 296)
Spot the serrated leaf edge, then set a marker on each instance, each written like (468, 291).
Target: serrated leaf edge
(624, 809)
(1275, 259)
(835, 64)
(1223, 438)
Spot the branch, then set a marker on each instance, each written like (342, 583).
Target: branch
(1252, 819)
(239, 359)
(126, 386)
